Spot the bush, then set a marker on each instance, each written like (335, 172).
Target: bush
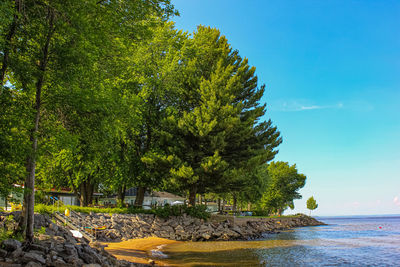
(46, 209)
(8, 230)
(260, 213)
(199, 211)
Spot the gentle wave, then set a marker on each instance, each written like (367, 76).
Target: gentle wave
(372, 241)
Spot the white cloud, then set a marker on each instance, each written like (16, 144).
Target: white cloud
(301, 105)
(396, 201)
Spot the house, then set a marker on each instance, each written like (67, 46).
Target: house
(153, 198)
(65, 195)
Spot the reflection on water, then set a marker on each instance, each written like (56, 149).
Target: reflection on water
(344, 242)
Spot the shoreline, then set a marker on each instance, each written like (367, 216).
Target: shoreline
(138, 250)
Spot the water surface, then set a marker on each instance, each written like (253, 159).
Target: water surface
(354, 241)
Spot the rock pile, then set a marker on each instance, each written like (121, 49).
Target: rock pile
(186, 228)
(55, 248)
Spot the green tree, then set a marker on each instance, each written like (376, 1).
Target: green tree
(150, 73)
(215, 121)
(283, 183)
(47, 47)
(311, 204)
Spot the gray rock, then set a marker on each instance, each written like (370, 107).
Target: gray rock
(16, 253)
(27, 257)
(87, 258)
(10, 264)
(40, 221)
(33, 264)
(91, 265)
(3, 253)
(37, 252)
(74, 260)
(11, 244)
(39, 248)
(70, 249)
(8, 260)
(60, 263)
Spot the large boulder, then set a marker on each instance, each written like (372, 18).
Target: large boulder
(11, 244)
(33, 256)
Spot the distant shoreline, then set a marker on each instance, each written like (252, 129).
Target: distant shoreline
(372, 216)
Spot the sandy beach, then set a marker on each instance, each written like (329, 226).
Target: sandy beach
(137, 250)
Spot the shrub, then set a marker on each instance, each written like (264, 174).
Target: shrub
(46, 209)
(199, 211)
(260, 213)
(164, 212)
(8, 232)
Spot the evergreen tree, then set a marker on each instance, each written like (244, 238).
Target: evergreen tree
(216, 116)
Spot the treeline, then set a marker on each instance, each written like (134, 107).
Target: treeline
(107, 95)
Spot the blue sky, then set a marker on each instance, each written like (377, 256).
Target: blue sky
(332, 71)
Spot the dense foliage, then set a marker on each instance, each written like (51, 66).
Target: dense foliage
(282, 187)
(108, 95)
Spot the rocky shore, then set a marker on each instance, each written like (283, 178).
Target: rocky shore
(55, 246)
(119, 227)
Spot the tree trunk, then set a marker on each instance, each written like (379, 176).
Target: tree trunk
(249, 206)
(7, 45)
(200, 199)
(219, 205)
(234, 204)
(192, 195)
(140, 196)
(86, 189)
(29, 192)
(121, 195)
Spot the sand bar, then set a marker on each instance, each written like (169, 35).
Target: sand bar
(137, 250)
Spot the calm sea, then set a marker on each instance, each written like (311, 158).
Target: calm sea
(352, 241)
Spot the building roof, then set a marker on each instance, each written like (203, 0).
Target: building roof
(165, 195)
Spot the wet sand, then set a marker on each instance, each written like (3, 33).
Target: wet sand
(138, 250)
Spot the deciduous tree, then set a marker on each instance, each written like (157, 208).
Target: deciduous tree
(311, 204)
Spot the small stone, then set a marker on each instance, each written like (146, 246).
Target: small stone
(205, 236)
(91, 265)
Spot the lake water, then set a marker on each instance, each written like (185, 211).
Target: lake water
(353, 241)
